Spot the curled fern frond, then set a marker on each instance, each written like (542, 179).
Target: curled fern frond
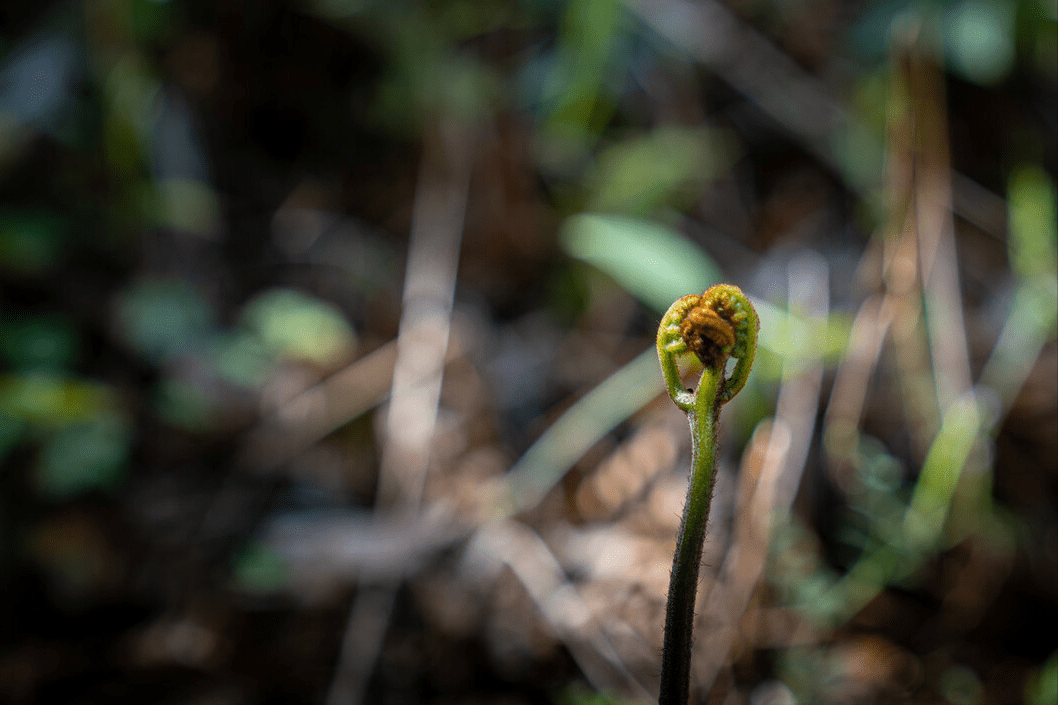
(714, 326)
(718, 324)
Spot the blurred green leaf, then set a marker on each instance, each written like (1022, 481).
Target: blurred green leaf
(163, 318)
(241, 358)
(585, 48)
(131, 92)
(654, 263)
(979, 37)
(575, 102)
(184, 405)
(149, 19)
(30, 243)
(187, 204)
(657, 265)
(1042, 688)
(84, 457)
(668, 165)
(49, 401)
(47, 343)
(796, 340)
(11, 430)
(293, 324)
(428, 76)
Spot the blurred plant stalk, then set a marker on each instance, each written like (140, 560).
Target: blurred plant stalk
(951, 421)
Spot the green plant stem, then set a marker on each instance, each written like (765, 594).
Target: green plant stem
(713, 326)
(683, 584)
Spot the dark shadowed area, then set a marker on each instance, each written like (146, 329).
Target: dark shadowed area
(327, 367)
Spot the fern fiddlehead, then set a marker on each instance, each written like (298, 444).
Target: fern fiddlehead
(716, 325)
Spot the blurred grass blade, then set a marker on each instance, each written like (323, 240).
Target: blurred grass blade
(924, 519)
(1032, 223)
(1033, 319)
(944, 464)
(585, 49)
(622, 394)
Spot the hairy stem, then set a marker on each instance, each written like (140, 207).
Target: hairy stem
(683, 583)
(719, 324)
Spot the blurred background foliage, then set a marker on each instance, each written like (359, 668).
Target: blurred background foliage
(326, 365)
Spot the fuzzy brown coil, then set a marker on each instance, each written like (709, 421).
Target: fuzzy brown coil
(707, 335)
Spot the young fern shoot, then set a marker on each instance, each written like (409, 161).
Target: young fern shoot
(714, 326)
